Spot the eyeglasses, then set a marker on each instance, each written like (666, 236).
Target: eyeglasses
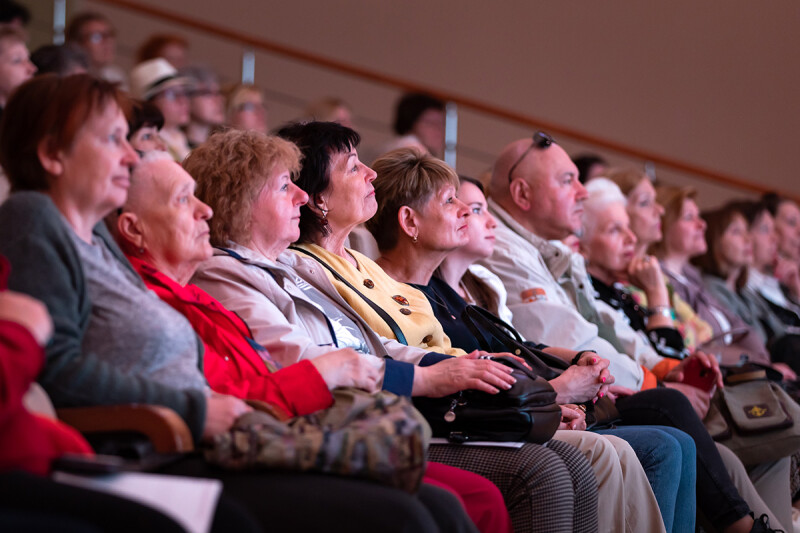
(171, 95)
(251, 106)
(540, 140)
(96, 37)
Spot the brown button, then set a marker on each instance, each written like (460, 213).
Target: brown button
(427, 339)
(402, 300)
(405, 310)
(368, 283)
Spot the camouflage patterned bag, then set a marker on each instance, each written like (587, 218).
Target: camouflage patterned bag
(379, 437)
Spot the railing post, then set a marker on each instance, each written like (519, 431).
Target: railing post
(248, 66)
(59, 20)
(450, 133)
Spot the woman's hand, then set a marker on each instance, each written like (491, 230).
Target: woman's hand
(584, 381)
(700, 399)
(28, 312)
(645, 273)
(459, 373)
(348, 368)
(707, 361)
(618, 391)
(221, 412)
(786, 271)
(572, 417)
(786, 371)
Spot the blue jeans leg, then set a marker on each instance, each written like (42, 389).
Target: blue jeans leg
(662, 458)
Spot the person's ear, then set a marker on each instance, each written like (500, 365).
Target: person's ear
(407, 219)
(130, 230)
(50, 157)
(520, 191)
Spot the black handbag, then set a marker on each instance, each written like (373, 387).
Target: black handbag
(600, 414)
(527, 412)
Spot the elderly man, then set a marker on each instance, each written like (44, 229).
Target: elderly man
(537, 199)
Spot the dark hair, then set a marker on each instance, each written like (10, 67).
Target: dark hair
(152, 47)
(59, 59)
(466, 179)
(410, 107)
(144, 114)
(10, 10)
(586, 161)
(317, 141)
(74, 31)
(772, 202)
(717, 223)
(750, 210)
(52, 109)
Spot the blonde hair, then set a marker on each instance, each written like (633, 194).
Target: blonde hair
(231, 168)
(406, 177)
(626, 178)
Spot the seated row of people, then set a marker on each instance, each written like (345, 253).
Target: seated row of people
(277, 325)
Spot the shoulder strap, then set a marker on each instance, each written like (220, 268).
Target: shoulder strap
(398, 333)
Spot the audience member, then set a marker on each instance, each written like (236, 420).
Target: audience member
(144, 124)
(15, 65)
(94, 33)
(158, 82)
(589, 166)
(60, 59)
(173, 48)
(330, 109)
(207, 105)
(14, 14)
(419, 123)
(245, 108)
(786, 214)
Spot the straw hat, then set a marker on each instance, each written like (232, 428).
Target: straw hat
(154, 76)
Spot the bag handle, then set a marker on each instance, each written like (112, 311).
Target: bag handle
(398, 333)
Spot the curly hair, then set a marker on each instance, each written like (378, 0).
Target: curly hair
(231, 168)
(409, 177)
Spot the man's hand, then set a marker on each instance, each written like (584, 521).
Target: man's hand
(572, 417)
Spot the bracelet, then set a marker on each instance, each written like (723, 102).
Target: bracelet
(663, 310)
(579, 355)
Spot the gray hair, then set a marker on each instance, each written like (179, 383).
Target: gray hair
(602, 193)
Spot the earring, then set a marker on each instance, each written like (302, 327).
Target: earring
(414, 239)
(324, 214)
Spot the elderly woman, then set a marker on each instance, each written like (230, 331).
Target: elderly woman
(246, 178)
(64, 149)
(608, 243)
(645, 222)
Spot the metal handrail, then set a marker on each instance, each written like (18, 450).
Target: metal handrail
(465, 102)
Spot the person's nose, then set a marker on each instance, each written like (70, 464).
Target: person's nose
(129, 155)
(371, 174)
(301, 197)
(631, 236)
(463, 209)
(580, 191)
(491, 222)
(203, 211)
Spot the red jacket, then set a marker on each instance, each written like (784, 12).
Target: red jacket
(233, 362)
(27, 441)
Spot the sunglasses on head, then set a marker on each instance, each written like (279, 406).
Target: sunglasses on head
(541, 140)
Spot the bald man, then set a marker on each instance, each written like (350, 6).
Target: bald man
(537, 200)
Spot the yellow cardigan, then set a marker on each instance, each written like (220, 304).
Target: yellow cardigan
(406, 305)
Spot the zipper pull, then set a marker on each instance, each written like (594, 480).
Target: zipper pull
(450, 415)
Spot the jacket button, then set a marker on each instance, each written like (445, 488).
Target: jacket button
(427, 339)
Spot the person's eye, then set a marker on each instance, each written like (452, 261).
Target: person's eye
(147, 137)
(355, 168)
(285, 187)
(450, 200)
(477, 210)
(183, 199)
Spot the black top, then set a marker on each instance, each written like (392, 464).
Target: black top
(668, 342)
(449, 308)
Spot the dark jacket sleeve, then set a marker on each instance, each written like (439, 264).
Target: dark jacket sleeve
(46, 266)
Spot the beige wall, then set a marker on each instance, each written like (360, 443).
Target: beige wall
(709, 83)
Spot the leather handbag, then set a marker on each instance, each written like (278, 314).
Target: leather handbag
(482, 323)
(754, 416)
(378, 437)
(527, 412)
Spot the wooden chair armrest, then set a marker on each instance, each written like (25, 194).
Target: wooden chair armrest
(165, 429)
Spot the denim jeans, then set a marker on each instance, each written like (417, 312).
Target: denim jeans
(668, 459)
(716, 495)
